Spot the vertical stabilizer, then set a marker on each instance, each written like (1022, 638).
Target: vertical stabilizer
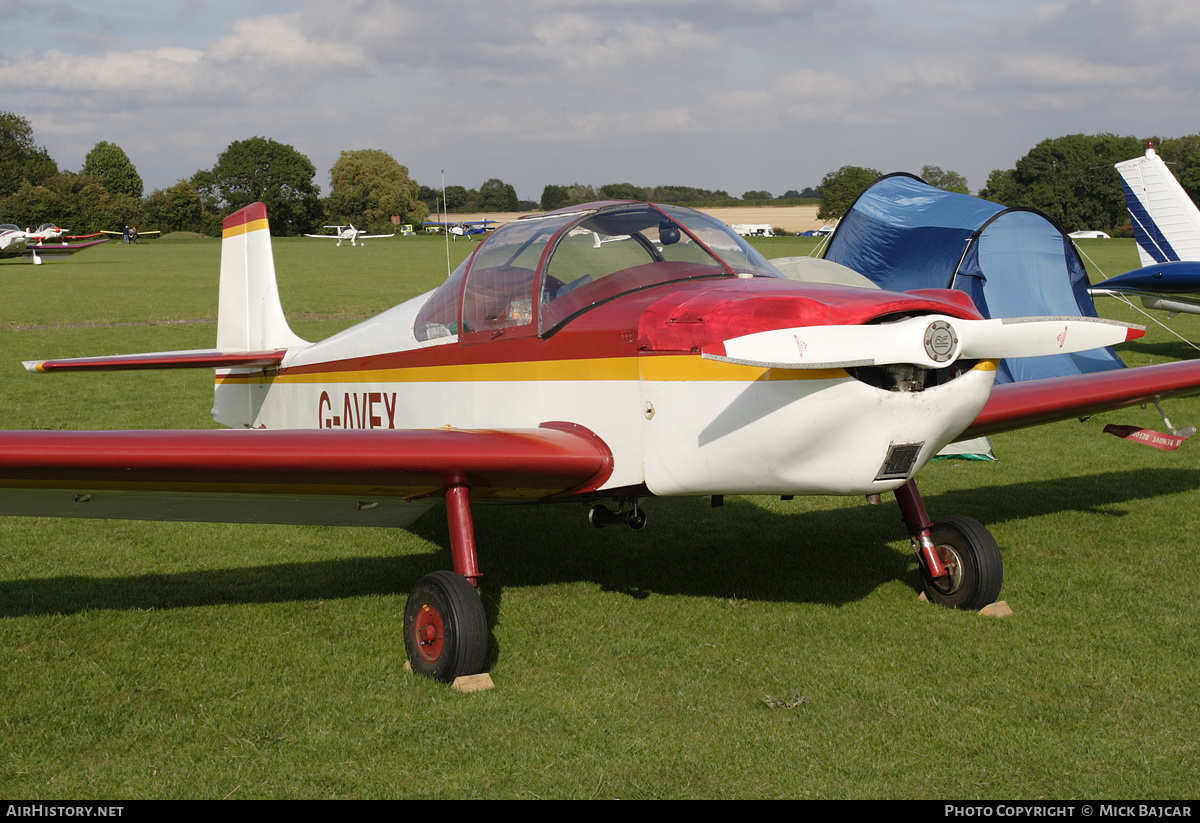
(249, 315)
(1166, 222)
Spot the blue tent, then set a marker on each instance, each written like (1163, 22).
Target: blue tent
(904, 234)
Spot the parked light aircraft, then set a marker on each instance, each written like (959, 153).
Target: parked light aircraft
(1166, 224)
(17, 243)
(47, 231)
(467, 228)
(672, 360)
(12, 240)
(350, 233)
(130, 234)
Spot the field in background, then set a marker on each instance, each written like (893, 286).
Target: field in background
(794, 219)
(766, 648)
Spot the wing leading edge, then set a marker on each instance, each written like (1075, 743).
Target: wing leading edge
(1034, 402)
(372, 477)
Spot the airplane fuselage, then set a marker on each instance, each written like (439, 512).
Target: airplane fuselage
(12, 240)
(631, 371)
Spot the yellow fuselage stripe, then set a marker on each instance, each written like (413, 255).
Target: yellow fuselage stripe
(666, 368)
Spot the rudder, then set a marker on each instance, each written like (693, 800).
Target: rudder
(1166, 223)
(249, 314)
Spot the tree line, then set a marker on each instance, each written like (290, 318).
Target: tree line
(1070, 179)
(560, 196)
(368, 188)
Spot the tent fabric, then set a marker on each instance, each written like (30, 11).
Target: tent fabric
(904, 234)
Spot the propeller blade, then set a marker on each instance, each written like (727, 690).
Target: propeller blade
(932, 341)
(1036, 336)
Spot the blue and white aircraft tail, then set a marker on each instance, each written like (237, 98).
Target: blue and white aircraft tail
(1166, 225)
(1166, 222)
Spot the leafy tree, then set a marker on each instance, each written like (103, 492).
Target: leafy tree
(809, 193)
(756, 195)
(212, 214)
(946, 180)
(623, 191)
(78, 202)
(369, 188)
(554, 197)
(21, 160)
(451, 198)
(580, 193)
(275, 174)
(1071, 179)
(109, 162)
(178, 208)
(456, 197)
(689, 196)
(1001, 187)
(557, 197)
(496, 195)
(839, 189)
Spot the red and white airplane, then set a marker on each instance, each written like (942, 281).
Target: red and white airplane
(668, 360)
(34, 245)
(12, 240)
(47, 231)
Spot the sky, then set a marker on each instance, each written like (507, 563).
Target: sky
(736, 95)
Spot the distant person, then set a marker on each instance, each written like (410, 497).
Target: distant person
(125, 235)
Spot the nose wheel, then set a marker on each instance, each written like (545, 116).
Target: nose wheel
(959, 559)
(974, 569)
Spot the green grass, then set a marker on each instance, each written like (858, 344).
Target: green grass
(762, 649)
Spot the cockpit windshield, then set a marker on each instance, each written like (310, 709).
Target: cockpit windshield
(536, 273)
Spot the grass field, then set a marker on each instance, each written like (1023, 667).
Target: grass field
(763, 649)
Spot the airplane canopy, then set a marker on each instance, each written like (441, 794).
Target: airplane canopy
(904, 234)
(536, 273)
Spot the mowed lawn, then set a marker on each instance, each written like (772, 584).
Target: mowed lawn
(762, 649)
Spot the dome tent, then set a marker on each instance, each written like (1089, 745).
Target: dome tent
(904, 234)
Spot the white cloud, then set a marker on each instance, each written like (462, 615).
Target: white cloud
(277, 43)
(602, 87)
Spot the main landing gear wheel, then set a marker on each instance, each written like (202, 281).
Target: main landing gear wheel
(445, 628)
(973, 561)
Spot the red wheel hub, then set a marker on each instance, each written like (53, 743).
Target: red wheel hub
(428, 628)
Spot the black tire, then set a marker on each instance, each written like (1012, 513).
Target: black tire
(972, 557)
(445, 628)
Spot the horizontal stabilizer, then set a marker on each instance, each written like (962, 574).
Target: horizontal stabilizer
(194, 359)
(932, 341)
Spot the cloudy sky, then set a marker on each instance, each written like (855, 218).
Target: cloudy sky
(719, 94)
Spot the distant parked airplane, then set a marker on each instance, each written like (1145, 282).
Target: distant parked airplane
(348, 232)
(1166, 224)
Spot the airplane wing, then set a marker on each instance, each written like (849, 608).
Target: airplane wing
(55, 249)
(368, 477)
(1034, 402)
